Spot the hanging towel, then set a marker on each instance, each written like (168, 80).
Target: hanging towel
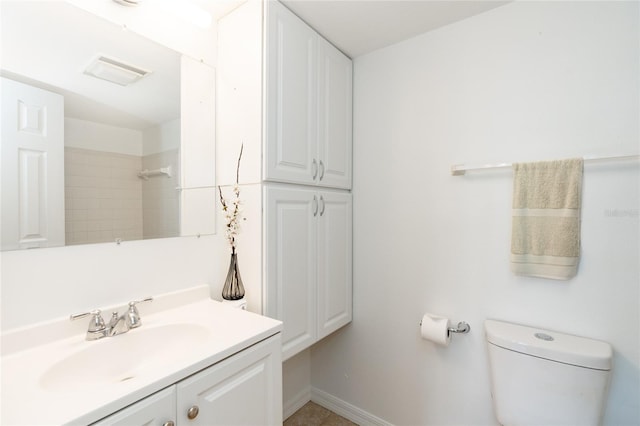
(545, 240)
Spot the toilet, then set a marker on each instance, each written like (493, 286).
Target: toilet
(541, 377)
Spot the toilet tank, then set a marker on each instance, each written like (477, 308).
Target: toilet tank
(541, 377)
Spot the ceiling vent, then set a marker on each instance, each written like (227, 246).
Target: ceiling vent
(115, 71)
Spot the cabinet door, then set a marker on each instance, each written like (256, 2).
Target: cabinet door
(334, 262)
(290, 152)
(290, 264)
(335, 117)
(154, 410)
(245, 389)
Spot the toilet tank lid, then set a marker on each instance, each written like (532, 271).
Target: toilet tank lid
(550, 345)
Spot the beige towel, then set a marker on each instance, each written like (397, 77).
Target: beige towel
(545, 240)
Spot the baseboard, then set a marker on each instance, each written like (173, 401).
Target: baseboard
(345, 409)
(296, 403)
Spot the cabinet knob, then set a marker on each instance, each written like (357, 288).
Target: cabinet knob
(321, 170)
(169, 423)
(322, 204)
(192, 412)
(315, 206)
(314, 163)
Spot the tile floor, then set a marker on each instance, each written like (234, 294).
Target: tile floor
(312, 414)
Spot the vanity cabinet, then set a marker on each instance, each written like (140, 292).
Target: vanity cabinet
(158, 409)
(244, 389)
(308, 236)
(308, 105)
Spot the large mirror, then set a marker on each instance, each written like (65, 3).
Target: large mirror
(90, 129)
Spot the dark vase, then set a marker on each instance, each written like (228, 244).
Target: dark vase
(233, 288)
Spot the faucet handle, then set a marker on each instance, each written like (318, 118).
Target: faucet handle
(133, 316)
(97, 328)
(96, 323)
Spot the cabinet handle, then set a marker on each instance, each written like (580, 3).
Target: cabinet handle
(192, 412)
(322, 201)
(321, 169)
(169, 423)
(314, 163)
(315, 206)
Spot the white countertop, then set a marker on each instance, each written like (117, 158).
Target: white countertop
(28, 399)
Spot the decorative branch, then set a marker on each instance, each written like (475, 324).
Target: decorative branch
(238, 167)
(233, 216)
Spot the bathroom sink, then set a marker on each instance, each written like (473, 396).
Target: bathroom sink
(70, 380)
(121, 358)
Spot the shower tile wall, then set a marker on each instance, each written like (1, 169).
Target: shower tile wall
(103, 196)
(160, 201)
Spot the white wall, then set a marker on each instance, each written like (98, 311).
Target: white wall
(523, 82)
(161, 138)
(102, 137)
(239, 89)
(39, 285)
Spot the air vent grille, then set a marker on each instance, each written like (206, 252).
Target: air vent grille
(115, 71)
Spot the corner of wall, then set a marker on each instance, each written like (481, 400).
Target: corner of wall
(296, 382)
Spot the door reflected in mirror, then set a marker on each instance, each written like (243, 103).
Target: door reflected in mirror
(90, 130)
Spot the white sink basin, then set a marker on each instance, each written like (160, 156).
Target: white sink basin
(70, 380)
(117, 359)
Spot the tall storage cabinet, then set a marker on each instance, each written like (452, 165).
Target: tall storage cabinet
(308, 236)
(308, 98)
(304, 146)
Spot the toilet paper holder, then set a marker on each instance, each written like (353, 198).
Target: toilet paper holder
(462, 327)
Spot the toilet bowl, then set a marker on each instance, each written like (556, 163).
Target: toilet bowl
(542, 377)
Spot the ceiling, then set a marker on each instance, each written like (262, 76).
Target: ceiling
(41, 47)
(358, 27)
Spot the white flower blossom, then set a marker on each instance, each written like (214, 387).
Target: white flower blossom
(233, 211)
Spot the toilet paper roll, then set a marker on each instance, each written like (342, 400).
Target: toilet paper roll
(435, 329)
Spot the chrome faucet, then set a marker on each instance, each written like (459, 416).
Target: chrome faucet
(117, 325)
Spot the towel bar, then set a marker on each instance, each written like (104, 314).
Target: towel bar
(460, 169)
